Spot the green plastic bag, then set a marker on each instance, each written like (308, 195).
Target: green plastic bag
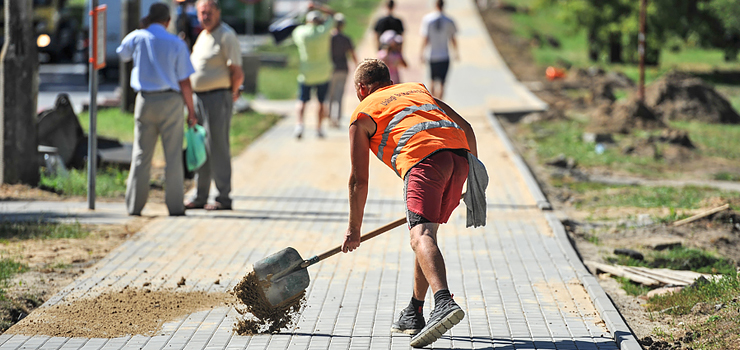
(195, 152)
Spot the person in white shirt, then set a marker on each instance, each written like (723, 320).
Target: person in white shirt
(438, 33)
(218, 76)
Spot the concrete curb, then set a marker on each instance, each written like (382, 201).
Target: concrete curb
(532, 184)
(607, 310)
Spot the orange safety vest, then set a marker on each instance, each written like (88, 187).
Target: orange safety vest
(410, 126)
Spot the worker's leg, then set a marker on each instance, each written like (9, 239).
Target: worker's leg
(430, 268)
(433, 188)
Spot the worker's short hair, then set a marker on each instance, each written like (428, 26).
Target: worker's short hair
(440, 4)
(371, 71)
(159, 12)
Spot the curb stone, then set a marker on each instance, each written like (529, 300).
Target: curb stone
(615, 323)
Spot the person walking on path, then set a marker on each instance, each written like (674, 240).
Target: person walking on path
(387, 22)
(429, 146)
(437, 31)
(390, 54)
(313, 40)
(341, 46)
(218, 77)
(161, 78)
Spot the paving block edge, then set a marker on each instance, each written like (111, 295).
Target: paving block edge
(614, 321)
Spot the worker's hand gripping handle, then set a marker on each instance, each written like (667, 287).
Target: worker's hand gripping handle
(365, 237)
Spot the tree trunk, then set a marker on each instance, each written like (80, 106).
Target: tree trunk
(594, 47)
(19, 91)
(615, 48)
(130, 16)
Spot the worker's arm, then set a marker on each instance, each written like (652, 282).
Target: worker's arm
(237, 78)
(187, 94)
(462, 123)
(359, 140)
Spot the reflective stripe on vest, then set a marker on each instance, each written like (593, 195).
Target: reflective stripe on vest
(397, 119)
(408, 134)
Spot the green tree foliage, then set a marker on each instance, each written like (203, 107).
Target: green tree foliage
(727, 13)
(613, 25)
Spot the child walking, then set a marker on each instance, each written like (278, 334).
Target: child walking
(390, 53)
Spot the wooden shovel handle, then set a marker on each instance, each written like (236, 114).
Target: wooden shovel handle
(365, 237)
(376, 232)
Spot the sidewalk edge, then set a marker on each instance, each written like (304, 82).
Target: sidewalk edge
(626, 340)
(529, 179)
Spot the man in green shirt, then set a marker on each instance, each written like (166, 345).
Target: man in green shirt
(313, 40)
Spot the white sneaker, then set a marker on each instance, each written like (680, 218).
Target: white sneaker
(320, 133)
(298, 132)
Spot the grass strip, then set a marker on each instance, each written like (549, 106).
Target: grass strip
(10, 231)
(722, 290)
(109, 182)
(602, 195)
(681, 258)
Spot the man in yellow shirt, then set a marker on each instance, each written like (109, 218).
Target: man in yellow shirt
(313, 40)
(217, 79)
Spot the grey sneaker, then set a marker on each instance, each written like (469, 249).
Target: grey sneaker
(443, 318)
(409, 322)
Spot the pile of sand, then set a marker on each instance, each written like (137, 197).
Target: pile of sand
(265, 317)
(622, 117)
(115, 314)
(679, 96)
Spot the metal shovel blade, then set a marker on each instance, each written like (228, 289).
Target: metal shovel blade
(281, 275)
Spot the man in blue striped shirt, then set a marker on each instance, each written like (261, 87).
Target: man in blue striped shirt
(161, 78)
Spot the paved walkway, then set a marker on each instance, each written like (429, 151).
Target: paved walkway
(518, 279)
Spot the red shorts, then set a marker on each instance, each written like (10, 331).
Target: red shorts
(432, 188)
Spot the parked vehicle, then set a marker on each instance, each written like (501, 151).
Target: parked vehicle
(55, 28)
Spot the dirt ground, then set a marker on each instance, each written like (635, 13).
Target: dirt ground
(118, 313)
(55, 263)
(623, 227)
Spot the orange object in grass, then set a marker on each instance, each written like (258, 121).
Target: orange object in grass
(553, 73)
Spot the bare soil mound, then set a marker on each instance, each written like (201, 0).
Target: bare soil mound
(673, 146)
(115, 314)
(624, 116)
(679, 96)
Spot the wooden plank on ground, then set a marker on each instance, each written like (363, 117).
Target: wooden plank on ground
(656, 275)
(700, 215)
(621, 272)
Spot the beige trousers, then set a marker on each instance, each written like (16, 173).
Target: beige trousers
(157, 114)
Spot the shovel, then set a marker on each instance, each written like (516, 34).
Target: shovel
(283, 275)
